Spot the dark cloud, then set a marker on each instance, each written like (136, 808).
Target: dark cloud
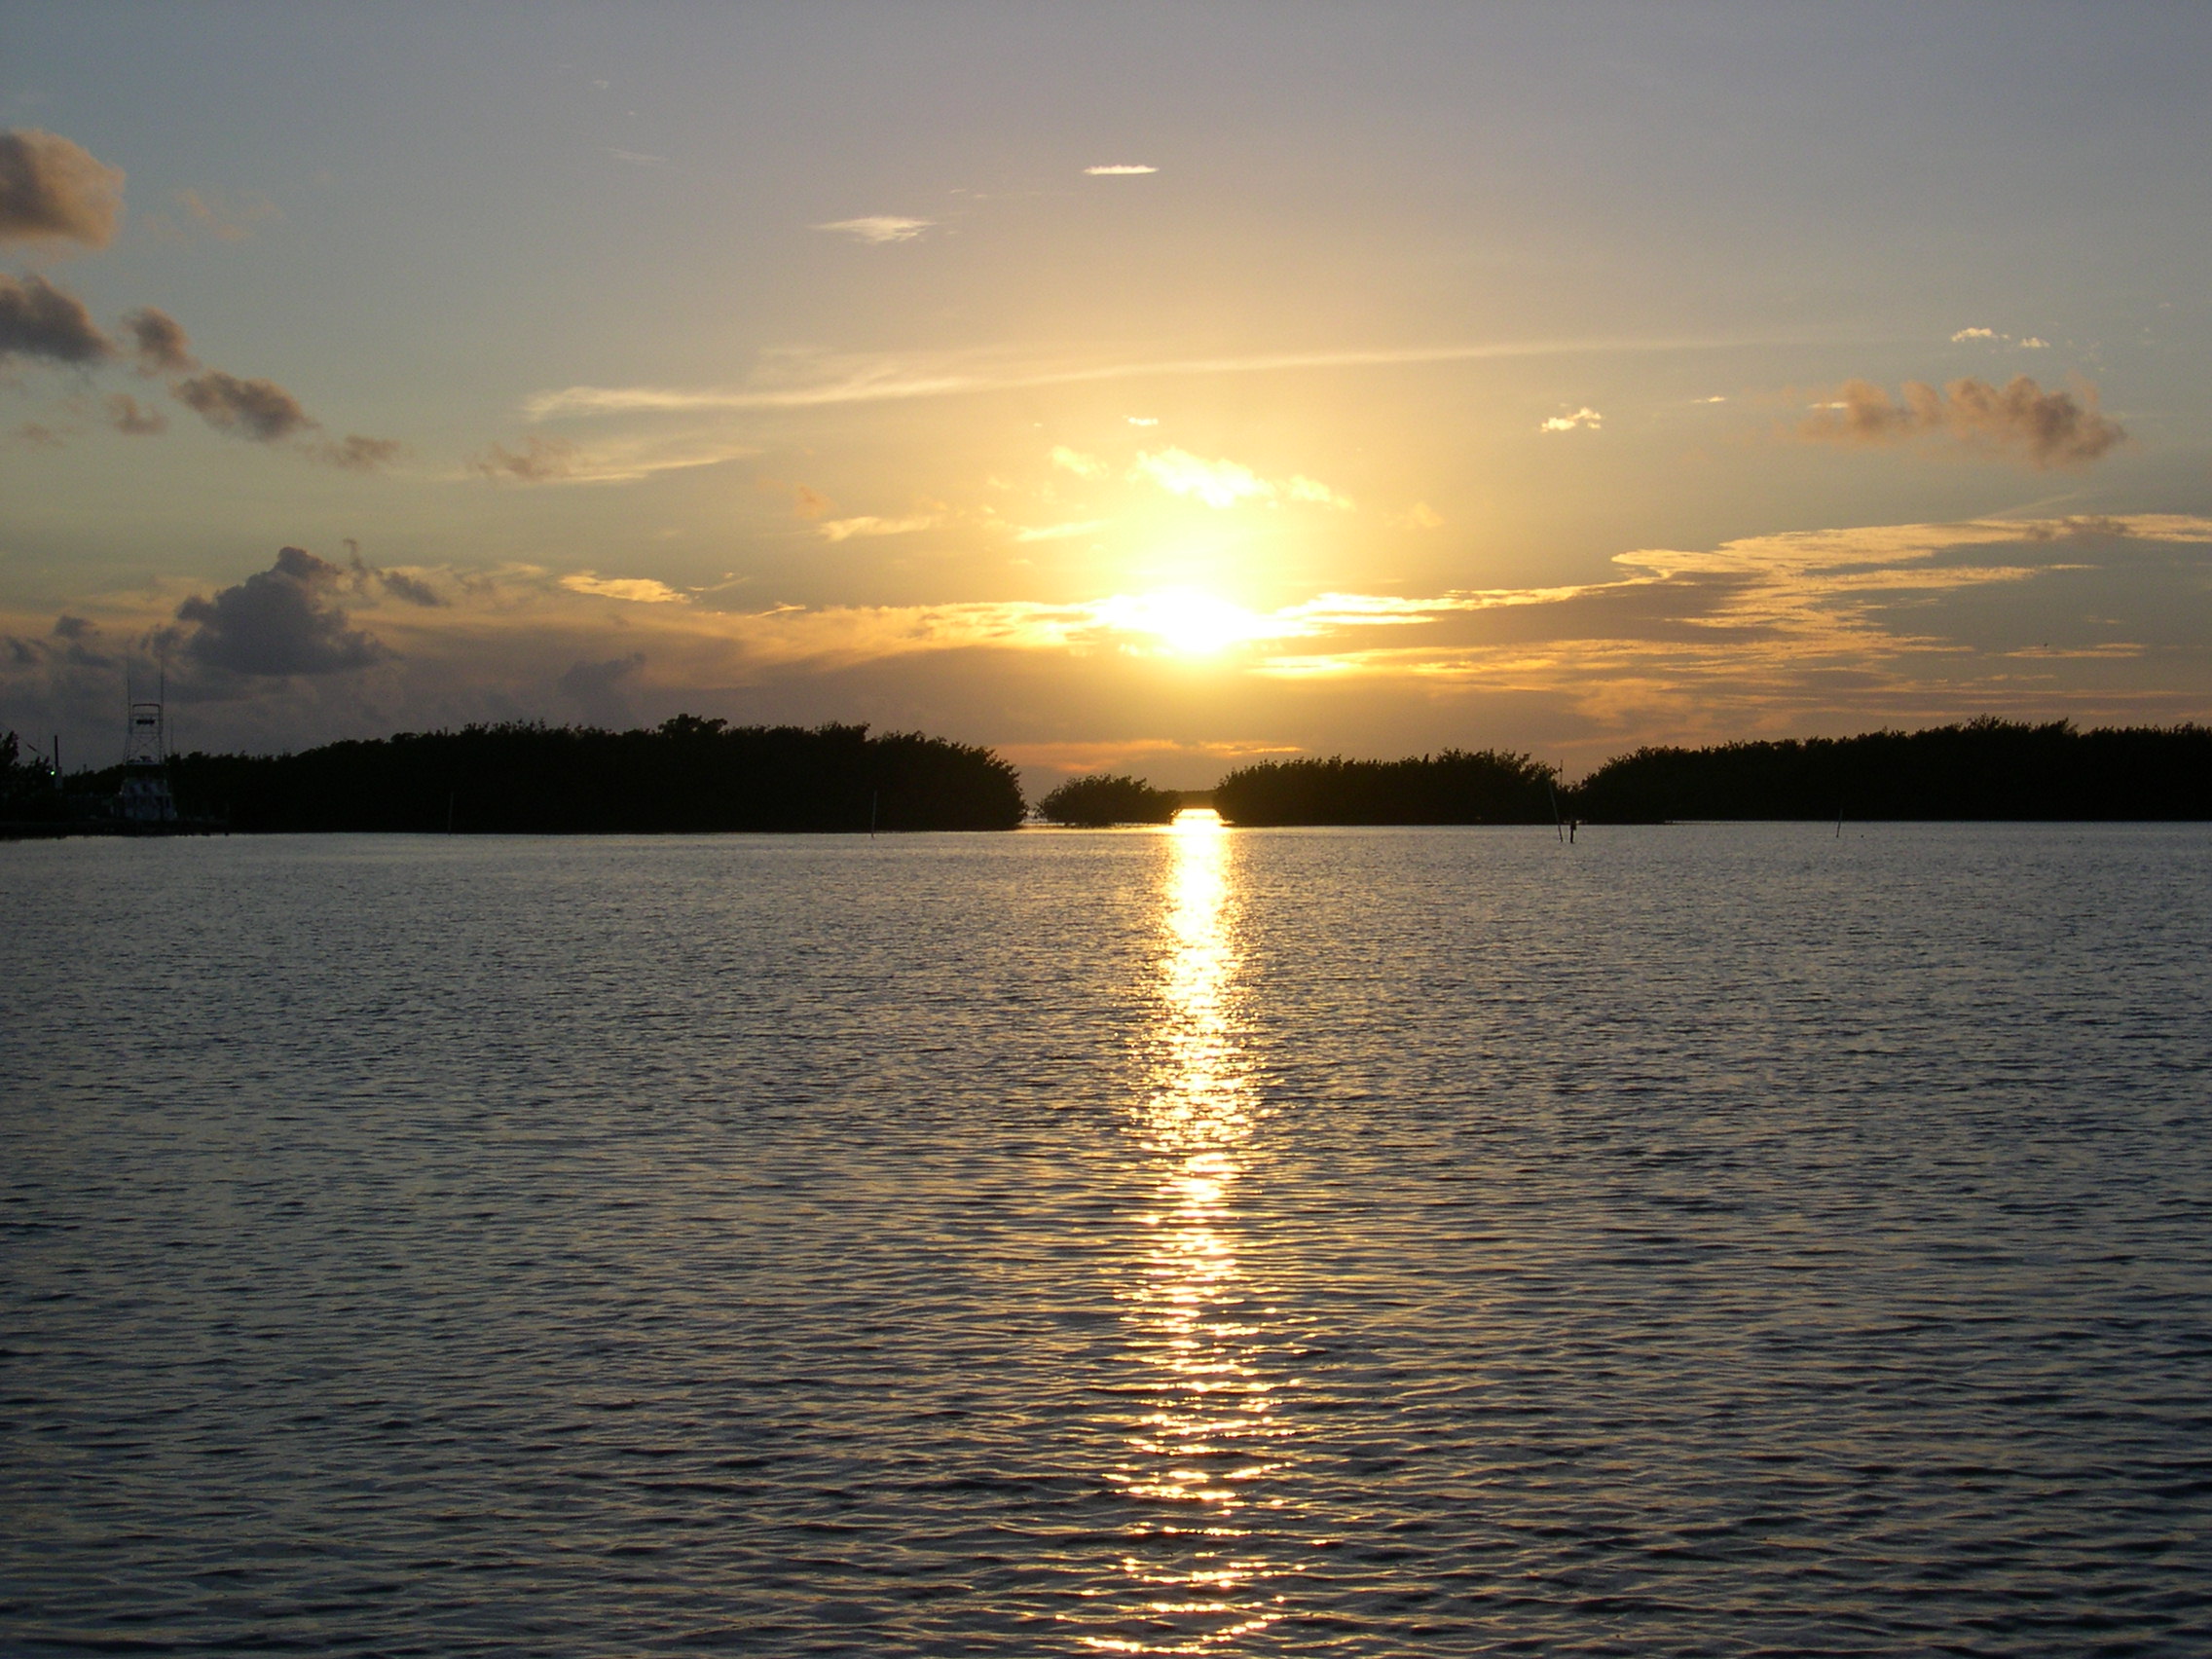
(80, 643)
(157, 340)
(406, 587)
(597, 687)
(256, 409)
(358, 453)
(127, 415)
(367, 578)
(37, 319)
(2049, 428)
(541, 461)
(51, 189)
(284, 620)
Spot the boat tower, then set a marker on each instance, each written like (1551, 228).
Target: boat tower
(144, 801)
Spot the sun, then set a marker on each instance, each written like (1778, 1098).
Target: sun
(1185, 622)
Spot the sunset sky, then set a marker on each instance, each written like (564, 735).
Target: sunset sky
(1152, 387)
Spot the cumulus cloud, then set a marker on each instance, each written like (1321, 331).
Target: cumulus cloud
(1584, 417)
(158, 341)
(808, 502)
(637, 590)
(879, 228)
(1227, 483)
(1995, 337)
(1217, 483)
(1118, 169)
(257, 409)
(1076, 461)
(282, 622)
(53, 190)
(1420, 516)
(127, 416)
(37, 319)
(1312, 490)
(2047, 429)
(264, 413)
(845, 529)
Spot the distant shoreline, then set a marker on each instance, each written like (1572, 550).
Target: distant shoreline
(693, 776)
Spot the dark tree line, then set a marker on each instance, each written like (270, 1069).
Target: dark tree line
(1985, 769)
(29, 791)
(687, 775)
(1456, 786)
(1103, 798)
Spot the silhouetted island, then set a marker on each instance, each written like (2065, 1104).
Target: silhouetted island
(1987, 768)
(1103, 798)
(688, 774)
(1456, 786)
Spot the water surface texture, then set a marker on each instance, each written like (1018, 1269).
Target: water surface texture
(1693, 1241)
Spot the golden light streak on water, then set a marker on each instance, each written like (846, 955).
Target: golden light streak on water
(1211, 1433)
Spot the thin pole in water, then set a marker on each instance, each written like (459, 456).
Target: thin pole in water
(1839, 823)
(1556, 824)
(871, 798)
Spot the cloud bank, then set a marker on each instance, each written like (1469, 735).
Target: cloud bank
(1834, 630)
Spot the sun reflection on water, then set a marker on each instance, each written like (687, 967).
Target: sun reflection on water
(1209, 1430)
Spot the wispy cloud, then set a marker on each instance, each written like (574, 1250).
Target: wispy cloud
(637, 590)
(805, 380)
(1059, 532)
(127, 416)
(1584, 417)
(639, 159)
(845, 529)
(879, 228)
(612, 459)
(1118, 169)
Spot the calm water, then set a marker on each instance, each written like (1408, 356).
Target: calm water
(1698, 1241)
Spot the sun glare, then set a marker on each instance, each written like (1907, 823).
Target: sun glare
(1185, 622)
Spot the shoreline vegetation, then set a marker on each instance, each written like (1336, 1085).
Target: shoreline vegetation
(687, 775)
(1104, 798)
(695, 775)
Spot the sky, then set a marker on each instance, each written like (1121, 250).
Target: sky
(1153, 389)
